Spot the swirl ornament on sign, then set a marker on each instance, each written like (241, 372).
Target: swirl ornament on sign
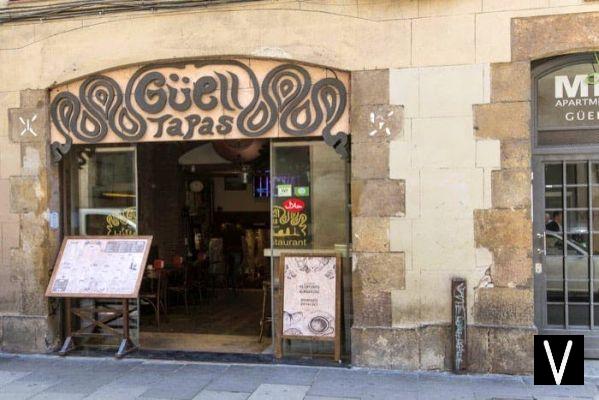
(202, 100)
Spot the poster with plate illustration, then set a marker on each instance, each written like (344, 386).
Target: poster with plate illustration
(310, 296)
(99, 266)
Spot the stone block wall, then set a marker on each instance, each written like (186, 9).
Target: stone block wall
(29, 192)
(440, 136)
(375, 198)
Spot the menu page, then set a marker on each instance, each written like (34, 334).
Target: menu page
(309, 297)
(99, 267)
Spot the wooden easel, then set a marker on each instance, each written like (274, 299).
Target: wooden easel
(95, 326)
(338, 309)
(126, 345)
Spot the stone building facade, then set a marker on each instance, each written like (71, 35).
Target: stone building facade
(440, 117)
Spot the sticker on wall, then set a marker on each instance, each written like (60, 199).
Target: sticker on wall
(54, 223)
(284, 190)
(301, 191)
(294, 205)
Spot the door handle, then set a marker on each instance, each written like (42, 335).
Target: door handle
(542, 250)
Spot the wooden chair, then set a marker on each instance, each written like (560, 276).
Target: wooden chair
(216, 264)
(155, 293)
(199, 274)
(182, 286)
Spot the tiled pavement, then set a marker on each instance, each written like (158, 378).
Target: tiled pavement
(74, 378)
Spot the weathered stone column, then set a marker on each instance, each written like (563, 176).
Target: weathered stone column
(375, 198)
(29, 190)
(502, 325)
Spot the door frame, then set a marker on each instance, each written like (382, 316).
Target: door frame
(591, 333)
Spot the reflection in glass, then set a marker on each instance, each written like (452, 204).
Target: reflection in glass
(555, 314)
(595, 243)
(577, 221)
(577, 174)
(578, 291)
(596, 220)
(595, 195)
(553, 221)
(579, 315)
(555, 244)
(577, 197)
(553, 198)
(553, 174)
(103, 191)
(577, 268)
(595, 173)
(554, 268)
(555, 291)
(596, 267)
(596, 295)
(578, 244)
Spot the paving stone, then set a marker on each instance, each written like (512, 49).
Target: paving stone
(362, 383)
(210, 395)
(22, 390)
(42, 377)
(27, 363)
(541, 391)
(14, 396)
(58, 396)
(117, 392)
(6, 377)
(591, 368)
(148, 374)
(248, 378)
(435, 393)
(185, 382)
(276, 392)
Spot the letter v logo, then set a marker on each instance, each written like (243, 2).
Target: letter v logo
(558, 375)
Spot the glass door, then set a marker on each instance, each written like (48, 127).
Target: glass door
(566, 256)
(309, 214)
(101, 200)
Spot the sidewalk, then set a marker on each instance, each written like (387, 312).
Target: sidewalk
(73, 378)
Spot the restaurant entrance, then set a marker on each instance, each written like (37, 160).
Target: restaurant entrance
(220, 213)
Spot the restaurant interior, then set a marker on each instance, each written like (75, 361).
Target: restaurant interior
(207, 284)
(208, 206)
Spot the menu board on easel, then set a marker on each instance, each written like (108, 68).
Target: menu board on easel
(311, 299)
(99, 267)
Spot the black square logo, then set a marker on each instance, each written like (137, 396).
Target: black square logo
(559, 360)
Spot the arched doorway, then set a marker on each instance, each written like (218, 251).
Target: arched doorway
(204, 155)
(566, 197)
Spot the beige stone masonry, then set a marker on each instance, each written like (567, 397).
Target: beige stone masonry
(502, 120)
(510, 82)
(28, 191)
(504, 306)
(538, 37)
(376, 199)
(515, 188)
(428, 62)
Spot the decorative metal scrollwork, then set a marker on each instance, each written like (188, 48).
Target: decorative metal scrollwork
(153, 103)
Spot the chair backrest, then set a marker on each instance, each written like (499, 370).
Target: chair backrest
(202, 256)
(158, 264)
(177, 261)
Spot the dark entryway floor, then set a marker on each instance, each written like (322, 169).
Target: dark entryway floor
(225, 322)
